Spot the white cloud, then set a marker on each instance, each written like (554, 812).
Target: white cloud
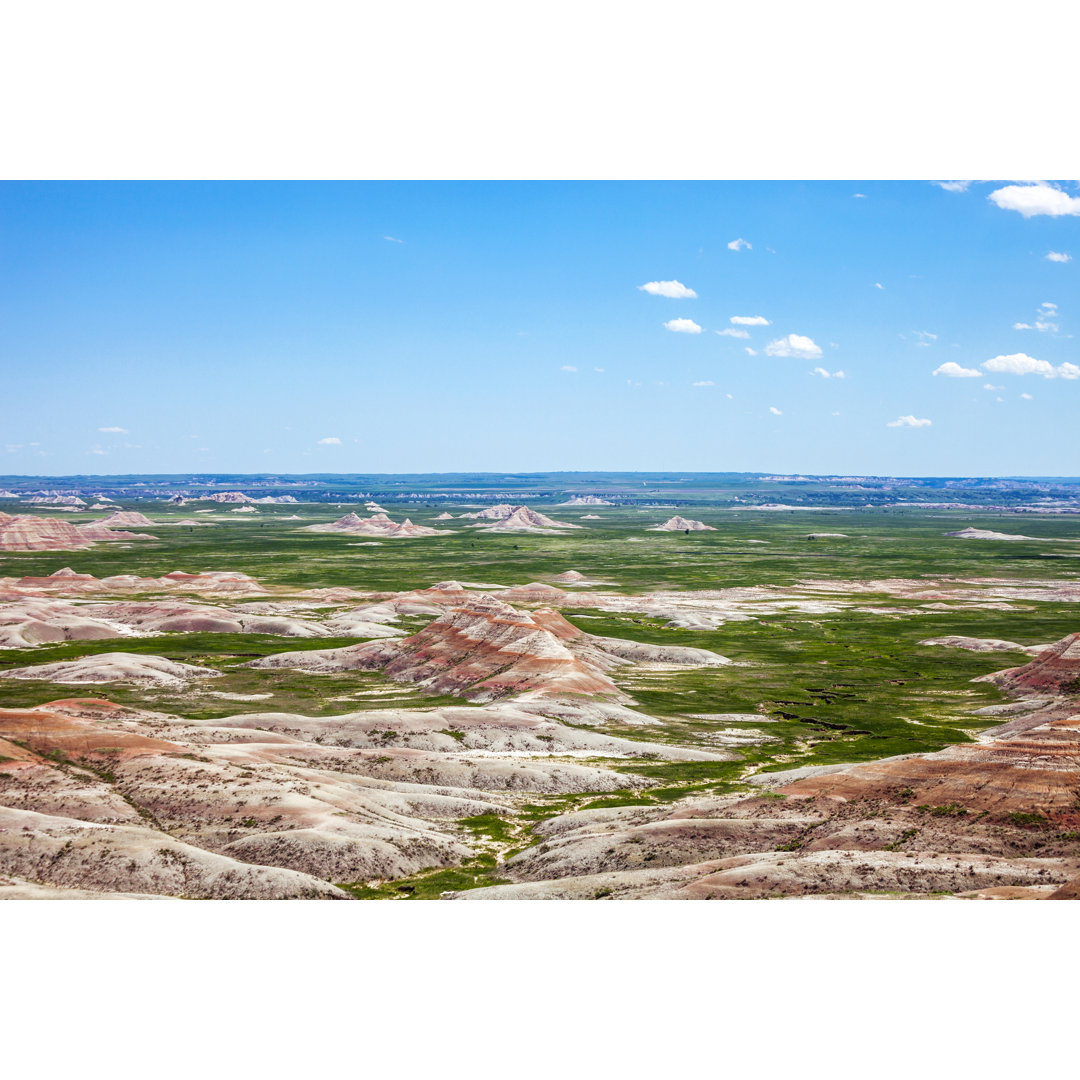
(775, 411)
(925, 337)
(1022, 364)
(826, 374)
(1047, 311)
(393, 240)
(990, 386)
(97, 450)
(704, 382)
(673, 290)
(878, 285)
(750, 320)
(1027, 397)
(1058, 256)
(682, 326)
(734, 331)
(330, 440)
(729, 396)
(600, 369)
(1032, 200)
(908, 421)
(953, 370)
(953, 185)
(738, 245)
(794, 345)
(751, 352)
(114, 430)
(568, 367)
(858, 195)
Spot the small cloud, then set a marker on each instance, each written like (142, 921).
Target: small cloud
(1047, 311)
(330, 440)
(750, 320)
(729, 396)
(682, 326)
(878, 285)
(908, 421)
(738, 245)
(1038, 199)
(751, 352)
(836, 414)
(113, 430)
(704, 382)
(826, 374)
(952, 370)
(953, 185)
(673, 290)
(98, 451)
(569, 367)
(1027, 397)
(858, 195)
(795, 345)
(991, 386)
(925, 338)
(1058, 256)
(393, 240)
(733, 331)
(600, 369)
(775, 411)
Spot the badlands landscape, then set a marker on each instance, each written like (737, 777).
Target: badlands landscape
(597, 687)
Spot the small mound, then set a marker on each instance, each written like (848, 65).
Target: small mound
(681, 524)
(114, 667)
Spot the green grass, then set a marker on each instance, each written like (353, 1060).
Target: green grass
(477, 873)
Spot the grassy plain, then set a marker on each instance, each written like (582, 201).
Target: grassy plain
(854, 685)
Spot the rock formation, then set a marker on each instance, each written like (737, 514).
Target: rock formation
(118, 667)
(126, 519)
(28, 532)
(681, 524)
(376, 525)
(485, 649)
(519, 519)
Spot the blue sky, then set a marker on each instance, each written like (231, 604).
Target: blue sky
(150, 327)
